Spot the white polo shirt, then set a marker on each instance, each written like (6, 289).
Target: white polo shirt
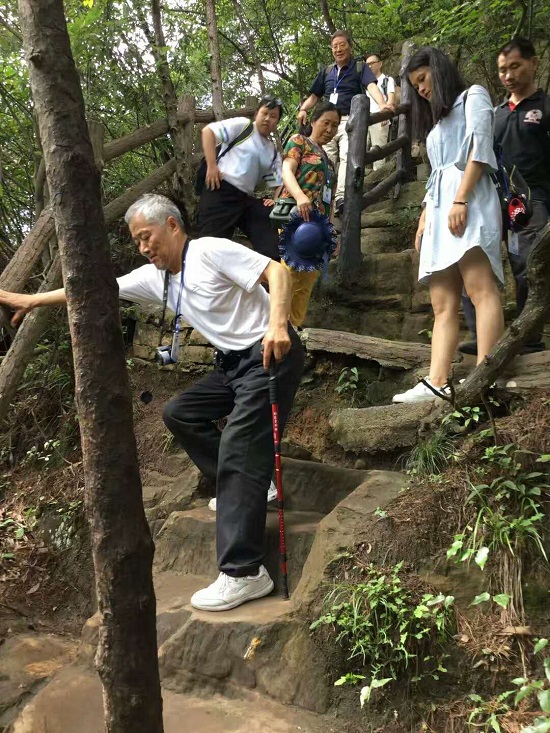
(374, 106)
(221, 297)
(250, 161)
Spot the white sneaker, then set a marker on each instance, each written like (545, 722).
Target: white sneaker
(227, 592)
(271, 496)
(420, 393)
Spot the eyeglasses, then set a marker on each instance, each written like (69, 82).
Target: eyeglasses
(340, 46)
(373, 63)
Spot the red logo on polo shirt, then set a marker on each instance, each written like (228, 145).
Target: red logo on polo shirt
(534, 116)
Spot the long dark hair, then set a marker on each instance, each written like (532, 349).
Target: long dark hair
(320, 110)
(446, 86)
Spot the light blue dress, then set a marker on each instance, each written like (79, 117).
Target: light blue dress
(469, 125)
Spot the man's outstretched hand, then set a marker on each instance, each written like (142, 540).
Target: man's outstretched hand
(276, 343)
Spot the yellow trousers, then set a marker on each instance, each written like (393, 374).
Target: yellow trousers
(301, 286)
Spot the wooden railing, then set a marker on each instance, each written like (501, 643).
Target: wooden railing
(356, 201)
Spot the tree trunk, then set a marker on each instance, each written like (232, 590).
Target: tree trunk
(404, 128)
(175, 126)
(121, 542)
(327, 16)
(215, 60)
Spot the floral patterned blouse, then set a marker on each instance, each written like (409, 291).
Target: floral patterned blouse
(313, 172)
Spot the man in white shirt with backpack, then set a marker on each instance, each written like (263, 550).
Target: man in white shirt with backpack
(379, 133)
(239, 155)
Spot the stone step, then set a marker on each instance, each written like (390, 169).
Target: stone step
(384, 239)
(187, 543)
(382, 429)
(317, 487)
(261, 645)
(72, 702)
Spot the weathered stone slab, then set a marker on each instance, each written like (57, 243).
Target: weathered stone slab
(383, 239)
(72, 702)
(26, 662)
(344, 528)
(394, 354)
(187, 543)
(374, 429)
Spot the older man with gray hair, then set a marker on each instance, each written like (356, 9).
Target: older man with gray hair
(216, 286)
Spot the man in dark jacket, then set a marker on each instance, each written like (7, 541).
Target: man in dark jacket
(522, 133)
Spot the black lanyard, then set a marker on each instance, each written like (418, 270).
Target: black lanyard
(165, 295)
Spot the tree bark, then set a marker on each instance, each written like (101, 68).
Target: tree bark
(121, 542)
(350, 258)
(327, 16)
(215, 60)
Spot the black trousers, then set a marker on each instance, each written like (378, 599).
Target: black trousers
(518, 263)
(224, 208)
(240, 458)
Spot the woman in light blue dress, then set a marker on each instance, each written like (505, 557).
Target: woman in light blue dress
(459, 231)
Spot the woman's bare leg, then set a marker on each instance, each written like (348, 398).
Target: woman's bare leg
(481, 286)
(445, 291)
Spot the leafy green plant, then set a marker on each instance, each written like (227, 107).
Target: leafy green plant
(487, 714)
(431, 455)
(348, 383)
(510, 510)
(388, 628)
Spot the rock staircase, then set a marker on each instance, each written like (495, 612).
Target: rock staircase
(260, 656)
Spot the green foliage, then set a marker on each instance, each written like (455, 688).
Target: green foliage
(348, 383)
(487, 714)
(509, 510)
(388, 627)
(431, 455)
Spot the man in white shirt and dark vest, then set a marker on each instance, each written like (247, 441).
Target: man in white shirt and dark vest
(216, 286)
(379, 133)
(246, 158)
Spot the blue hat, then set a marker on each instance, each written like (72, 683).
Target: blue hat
(307, 245)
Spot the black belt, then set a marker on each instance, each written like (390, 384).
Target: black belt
(229, 360)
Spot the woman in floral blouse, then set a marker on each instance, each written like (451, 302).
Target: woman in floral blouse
(308, 177)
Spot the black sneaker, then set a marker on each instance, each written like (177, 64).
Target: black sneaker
(338, 207)
(468, 347)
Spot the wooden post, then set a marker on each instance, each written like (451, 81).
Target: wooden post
(350, 259)
(186, 111)
(404, 157)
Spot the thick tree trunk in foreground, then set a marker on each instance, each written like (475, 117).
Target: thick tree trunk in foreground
(122, 545)
(215, 59)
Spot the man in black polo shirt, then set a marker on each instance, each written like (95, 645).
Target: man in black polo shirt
(522, 133)
(338, 83)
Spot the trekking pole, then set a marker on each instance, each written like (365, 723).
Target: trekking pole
(278, 472)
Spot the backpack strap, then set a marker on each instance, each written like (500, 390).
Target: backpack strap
(385, 81)
(248, 130)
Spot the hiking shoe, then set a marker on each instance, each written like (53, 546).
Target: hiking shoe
(271, 496)
(420, 393)
(227, 592)
(468, 347)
